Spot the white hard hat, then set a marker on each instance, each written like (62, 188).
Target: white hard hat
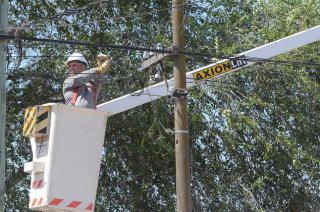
(77, 57)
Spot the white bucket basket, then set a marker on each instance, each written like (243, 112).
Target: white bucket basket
(67, 146)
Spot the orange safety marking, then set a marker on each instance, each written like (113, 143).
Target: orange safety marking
(74, 204)
(55, 202)
(34, 202)
(89, 207)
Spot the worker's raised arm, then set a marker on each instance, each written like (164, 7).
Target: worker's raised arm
(82, 78)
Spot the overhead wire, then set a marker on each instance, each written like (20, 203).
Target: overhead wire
(250, 59)
(133, 79)
(139, 48)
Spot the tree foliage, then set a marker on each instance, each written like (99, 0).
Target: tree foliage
(254, 133)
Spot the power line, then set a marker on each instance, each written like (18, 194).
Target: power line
(138, 48)
(106, 46)
(80, 43)
(251, 59)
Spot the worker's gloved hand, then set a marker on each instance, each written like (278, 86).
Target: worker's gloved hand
(104, 63)
(101, 58)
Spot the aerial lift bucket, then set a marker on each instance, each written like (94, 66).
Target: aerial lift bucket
(67, 144)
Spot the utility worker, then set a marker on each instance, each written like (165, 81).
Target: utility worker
(80, 89)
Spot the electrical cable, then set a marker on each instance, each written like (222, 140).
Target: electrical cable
(251, 59)
(105, 46)
(127, 47)
(132, 84)
(80, 43)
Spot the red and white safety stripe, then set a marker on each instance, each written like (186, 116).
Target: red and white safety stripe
(62, 203)
(36, 184)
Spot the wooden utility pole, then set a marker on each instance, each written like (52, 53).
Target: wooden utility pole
(3, 64)
(184, 202)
